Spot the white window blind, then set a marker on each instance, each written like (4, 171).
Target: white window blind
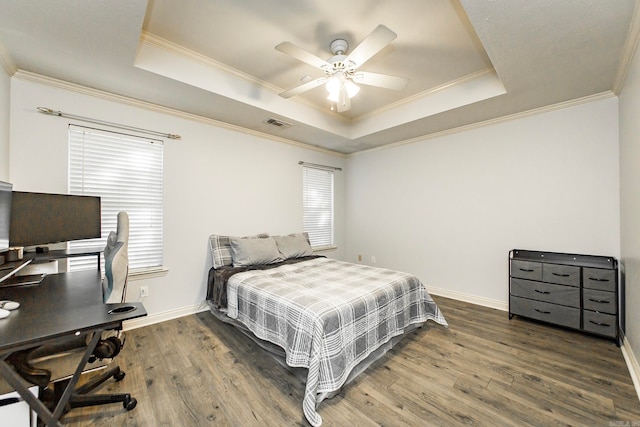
(127, 173)
(317, 202)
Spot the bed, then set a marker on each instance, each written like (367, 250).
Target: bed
(327, 319)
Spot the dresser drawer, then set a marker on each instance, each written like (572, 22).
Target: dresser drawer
(597, 278)
(561, 274)
(602, 301)
(526, 270)
(557, 294)
(552, 313)
(600, 323)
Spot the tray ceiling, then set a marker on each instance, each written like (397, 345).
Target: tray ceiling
(468, 61)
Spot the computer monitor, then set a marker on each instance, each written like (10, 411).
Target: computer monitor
(42, 218)
(5, 214)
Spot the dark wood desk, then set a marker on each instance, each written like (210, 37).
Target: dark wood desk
(61, 305)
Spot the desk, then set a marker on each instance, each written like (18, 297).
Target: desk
(61, 305)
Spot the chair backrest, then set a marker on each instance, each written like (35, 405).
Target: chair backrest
(116, 262)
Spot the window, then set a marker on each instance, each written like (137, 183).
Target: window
(126, 172)
(317, 203)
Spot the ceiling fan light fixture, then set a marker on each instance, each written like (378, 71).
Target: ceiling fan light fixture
(334, 96)
(333, 85)
(352, 88)
(339, 86)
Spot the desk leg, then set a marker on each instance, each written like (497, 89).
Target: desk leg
(57, 413)
(22, 386)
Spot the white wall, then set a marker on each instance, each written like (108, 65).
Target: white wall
(630, 199)
(449, 209)
(216, 181)
(5, 82)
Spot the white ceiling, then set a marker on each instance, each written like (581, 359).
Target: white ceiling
(468, 61)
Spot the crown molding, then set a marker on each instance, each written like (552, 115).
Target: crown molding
(73, 87)
(629, 51)
(535, 111)
(177, 49)
(427, 93)
(50, 81)
(6, 61)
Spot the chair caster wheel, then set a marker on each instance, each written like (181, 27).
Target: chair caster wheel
(119, 376)
(130, 404)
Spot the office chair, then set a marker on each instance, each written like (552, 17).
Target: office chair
(36, 365)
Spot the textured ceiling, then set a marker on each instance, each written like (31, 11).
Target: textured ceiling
(468, 61)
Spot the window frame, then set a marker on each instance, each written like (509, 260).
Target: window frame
(318, 203)
(133, 168)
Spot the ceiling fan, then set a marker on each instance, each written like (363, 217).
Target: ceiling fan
(341, 71)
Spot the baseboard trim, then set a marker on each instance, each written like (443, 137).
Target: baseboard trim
(473, 299)
(165, 315)
(632, 364)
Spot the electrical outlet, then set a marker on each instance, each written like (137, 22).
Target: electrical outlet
(144, 291)
(373, 260)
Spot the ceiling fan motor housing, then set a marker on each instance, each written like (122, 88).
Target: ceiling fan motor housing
(339, 46)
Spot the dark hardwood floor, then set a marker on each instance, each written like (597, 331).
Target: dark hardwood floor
(483, 370)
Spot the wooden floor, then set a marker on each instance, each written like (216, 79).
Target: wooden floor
(483, 370)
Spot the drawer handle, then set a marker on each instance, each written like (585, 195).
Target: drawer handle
(599, 324)
(596, 279)
(542, 292)
(542, 311)
(561, 275)
(599, 301)
(527, 270)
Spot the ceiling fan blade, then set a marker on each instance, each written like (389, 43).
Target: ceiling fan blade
(372, 44)
(303, 55)
(380, 80)
(303, 87)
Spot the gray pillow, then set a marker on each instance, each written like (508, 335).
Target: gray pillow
(248, 252)
(293, 246)
(221, 248)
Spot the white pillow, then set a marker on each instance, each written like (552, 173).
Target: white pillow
(248, 252)
(293, 246)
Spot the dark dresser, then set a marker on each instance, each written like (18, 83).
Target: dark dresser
(575, 291)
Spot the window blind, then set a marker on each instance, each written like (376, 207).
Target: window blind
(127, 173)
(317, 201)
